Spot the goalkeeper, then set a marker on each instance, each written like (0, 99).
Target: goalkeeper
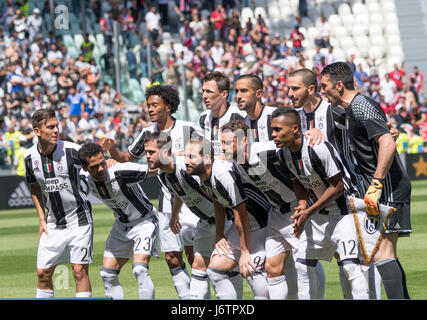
(385, 178)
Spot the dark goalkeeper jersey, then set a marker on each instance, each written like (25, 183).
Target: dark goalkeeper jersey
(365, 120)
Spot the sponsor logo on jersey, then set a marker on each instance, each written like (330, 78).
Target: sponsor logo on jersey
(54, 185)
(21, 196)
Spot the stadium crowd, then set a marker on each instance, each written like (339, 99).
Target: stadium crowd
(38, 72)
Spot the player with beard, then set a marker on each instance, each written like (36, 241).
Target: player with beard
(258, 163)
(325, 226)
(185, 189)
(243, 243)
(317, 114)
(382, 171)
(162, 103)
(135, 230)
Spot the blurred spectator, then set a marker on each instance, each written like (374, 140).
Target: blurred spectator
(350, 62)
(34, 24)
(217, 18)
(131, 62)
(87, 47)
(296, 37)
(361, 78)
(397, 75)
(126, 25)
(322, 40)
(12, 136)
(152, 20)
(76, 102)
(106, 23)
(417, 79)
(4, 163)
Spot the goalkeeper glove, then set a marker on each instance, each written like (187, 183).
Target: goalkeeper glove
(372, 196)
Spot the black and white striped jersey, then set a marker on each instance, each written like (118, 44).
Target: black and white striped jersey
(121, 191)
(366, 120)
(230, 189)
(331, 122)
(212, 126)
(312, 166)
(180, 133)
(264, 169)
(188, 188)
(260, 128)
(58, 175)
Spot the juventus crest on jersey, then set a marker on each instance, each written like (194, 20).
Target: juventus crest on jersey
(58, 176)
(121, 192)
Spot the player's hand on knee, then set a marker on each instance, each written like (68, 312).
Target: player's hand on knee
(175, 225)
(372, 197)
(222, 246)
(245, 265)
(299, 217)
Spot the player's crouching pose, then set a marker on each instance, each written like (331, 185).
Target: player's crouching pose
(66, 233)
(325, 226)
(243, 243)
(185, 189)
(258, 163)
(135, 230)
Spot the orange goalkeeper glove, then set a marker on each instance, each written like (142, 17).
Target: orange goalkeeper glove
(372, 196)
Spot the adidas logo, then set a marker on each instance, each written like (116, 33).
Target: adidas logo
(21, 197)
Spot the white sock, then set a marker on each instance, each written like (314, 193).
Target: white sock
(258, 284)
(44, 293)
(145, 285)
(291, 277)
(199, 285)
(237, 280)
(345, 284)
(181, 280)
(277, 288)
(86, 294)
(224, 288)
(308, 281)
(112, 286)
(320, 273)
(359, 284)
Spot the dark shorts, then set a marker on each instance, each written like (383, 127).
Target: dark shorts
(400, 220)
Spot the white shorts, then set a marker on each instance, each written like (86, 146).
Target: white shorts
(204, 239)
(256, 246)
(60, 246)
(141, 237)
(175, 242)
(324, 235)
(279, 237)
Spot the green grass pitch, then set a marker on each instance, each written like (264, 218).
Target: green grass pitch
(18, 250)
